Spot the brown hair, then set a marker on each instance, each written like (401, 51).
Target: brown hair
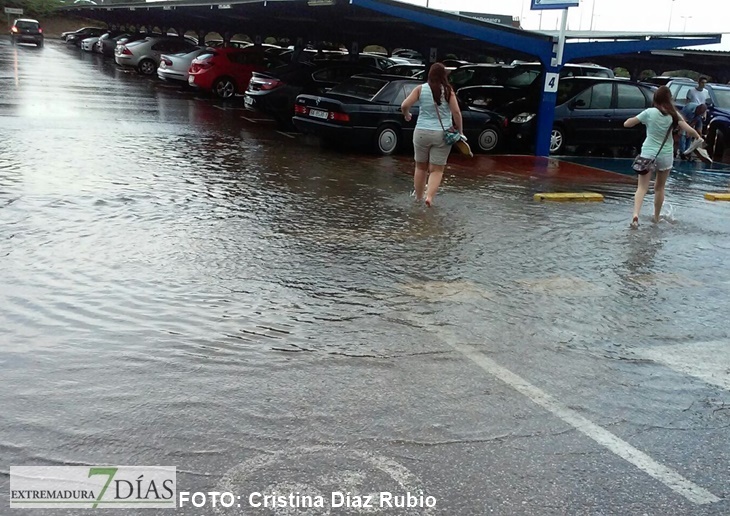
(438, 82)
(663, 102)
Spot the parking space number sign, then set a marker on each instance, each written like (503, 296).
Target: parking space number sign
(551, 82)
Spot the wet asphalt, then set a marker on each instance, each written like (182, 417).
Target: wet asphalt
(185, 285)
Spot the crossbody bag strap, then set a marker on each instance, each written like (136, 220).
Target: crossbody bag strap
(666, 137)
(437, 109)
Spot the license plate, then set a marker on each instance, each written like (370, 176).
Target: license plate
(191, 80)
(318, 113)
(248, 101)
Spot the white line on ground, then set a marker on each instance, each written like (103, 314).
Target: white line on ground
(708, 361)
(286, 134)
(600, 435)
(221, 108)
(256, 120)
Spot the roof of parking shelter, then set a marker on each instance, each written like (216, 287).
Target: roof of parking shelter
(383, 22)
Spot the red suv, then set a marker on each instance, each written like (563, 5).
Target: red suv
(227, 71)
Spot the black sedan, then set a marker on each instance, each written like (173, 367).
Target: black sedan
(274, 92)
(366, 109)
(590, 111)
(77, 37)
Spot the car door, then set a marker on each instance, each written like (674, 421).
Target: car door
(588, 116)
(630, 101)
(243, 64)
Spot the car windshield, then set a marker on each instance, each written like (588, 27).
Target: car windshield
(360, 87)
(26, 25)
(521, 77)
(722, 98)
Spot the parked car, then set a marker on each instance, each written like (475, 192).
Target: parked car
(108, 42)
(176, 67)
(145, 55)
(219, 43)
(274, 92)
(366, 108)
(82, 30)
(26, 30)
(75, 38)
(226, 71)
(88, 44)
(589, 111)
(405, 70)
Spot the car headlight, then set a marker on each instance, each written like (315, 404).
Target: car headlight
(523, 118)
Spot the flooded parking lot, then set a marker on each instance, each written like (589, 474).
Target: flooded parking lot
(184, 285)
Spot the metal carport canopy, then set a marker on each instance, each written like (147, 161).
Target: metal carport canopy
(388, 23)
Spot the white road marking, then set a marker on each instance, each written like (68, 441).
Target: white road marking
(221, 108)
(286, 134)
(600, 435)
(708, 361)
(256, 120)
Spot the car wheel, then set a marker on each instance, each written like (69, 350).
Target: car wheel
(557, 140)
(224, 88)
(387, 139)
(489, 139)
(146, 67)
(39, 44)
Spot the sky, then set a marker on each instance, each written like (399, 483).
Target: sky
(610, 15)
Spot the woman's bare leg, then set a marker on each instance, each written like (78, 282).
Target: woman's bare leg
(641, 188)
(419, 179)
(435, 175)
(659, 187)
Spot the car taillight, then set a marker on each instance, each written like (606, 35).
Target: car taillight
(339, 117)
(167, 61)
(300, 110)
(40, 31)
(126, 51)
(14, 29)
(195, 67)
(268, 84)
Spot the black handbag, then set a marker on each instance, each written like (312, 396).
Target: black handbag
(643, 165)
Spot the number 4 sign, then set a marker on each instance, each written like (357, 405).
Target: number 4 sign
(551, 82)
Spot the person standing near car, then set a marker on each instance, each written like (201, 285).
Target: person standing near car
(659, 121)
(699, 95)
(439, 110)
(692, 114)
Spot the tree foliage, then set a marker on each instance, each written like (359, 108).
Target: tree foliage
(33, 8)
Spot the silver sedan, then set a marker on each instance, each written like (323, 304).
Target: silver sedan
(174, 67)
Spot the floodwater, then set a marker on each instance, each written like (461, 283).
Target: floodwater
(183, 285)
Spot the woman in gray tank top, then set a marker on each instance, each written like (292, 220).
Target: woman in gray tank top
(438, 111)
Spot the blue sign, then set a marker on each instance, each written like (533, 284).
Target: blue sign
(553, 4)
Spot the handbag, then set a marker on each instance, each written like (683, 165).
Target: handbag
(642, 165)
(451, 135)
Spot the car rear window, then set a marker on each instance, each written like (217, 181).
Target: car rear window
(27, 25)
(360, 87)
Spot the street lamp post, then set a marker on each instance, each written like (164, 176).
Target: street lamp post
(593, 10)
(671, 12)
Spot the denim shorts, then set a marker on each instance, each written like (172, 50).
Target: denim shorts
(664, 162)
(430, 147)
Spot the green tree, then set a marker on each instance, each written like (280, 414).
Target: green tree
(37, 8)
(621, 72)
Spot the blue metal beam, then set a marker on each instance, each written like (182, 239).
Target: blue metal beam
(602, 48)
(514, 39)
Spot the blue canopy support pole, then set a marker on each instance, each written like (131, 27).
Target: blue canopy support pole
(548, 99)
(546, 111)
